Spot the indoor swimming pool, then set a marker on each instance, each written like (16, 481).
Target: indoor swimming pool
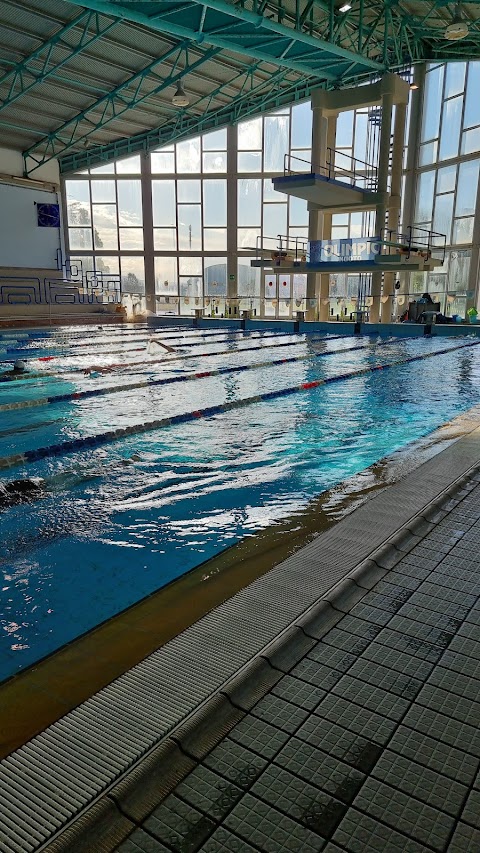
(225, 437)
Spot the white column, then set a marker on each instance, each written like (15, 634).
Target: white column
(232, 251)
(382, 192)
(315, 219)
(474, 273)
(147, 212)
(395, 200)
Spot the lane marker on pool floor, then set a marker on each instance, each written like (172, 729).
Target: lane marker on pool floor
(148, 383)
(124, 432)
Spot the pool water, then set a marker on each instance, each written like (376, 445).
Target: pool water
(121, 520)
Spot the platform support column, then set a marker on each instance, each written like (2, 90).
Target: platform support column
(315, 217)
(382, 190)
(146, 183)
(395, 202)
(232, 252)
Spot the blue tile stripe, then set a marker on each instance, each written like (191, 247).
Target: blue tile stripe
(123, 432)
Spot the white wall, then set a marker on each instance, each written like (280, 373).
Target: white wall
(23, 244)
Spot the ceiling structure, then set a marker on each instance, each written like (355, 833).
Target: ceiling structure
(93, 81)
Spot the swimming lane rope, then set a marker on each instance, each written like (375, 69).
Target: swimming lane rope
(136, 429)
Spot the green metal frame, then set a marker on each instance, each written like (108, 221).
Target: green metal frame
(310, 43)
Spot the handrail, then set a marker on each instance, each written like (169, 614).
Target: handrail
(364, 172)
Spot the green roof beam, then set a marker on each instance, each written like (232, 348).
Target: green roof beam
(42, 64)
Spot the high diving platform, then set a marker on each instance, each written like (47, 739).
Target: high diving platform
(343, 184)
(417, 249)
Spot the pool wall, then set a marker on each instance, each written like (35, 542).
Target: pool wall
(399, 330)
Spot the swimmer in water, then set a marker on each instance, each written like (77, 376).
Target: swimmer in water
(18, 369)
(153, 341)
(97, 370)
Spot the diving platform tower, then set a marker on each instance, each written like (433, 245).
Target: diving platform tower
(331, 187)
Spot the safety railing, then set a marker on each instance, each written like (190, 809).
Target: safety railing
(282, 249)
(339, 166)
(415, 240)
(31, 290)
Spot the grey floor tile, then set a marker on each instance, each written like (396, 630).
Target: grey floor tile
(359, 833)
(362, 721)
(460, 663)
(429, 722)
(398, 661)
(140, 842)
(322, 677)
(435, 789)
(418, 647)
(322, 770)
(270, 830)
(279, 713)
(237, 763)
(366, 611)
(405, 814)
(359, 752)
(210, 793)
(328, 655)
(471, 812)
(179, 826)
(384, 677)
(464, 646)
(450, 704)
(433, 753)
(439, 605)
(465, 839)
(421, 630)
(371, 697)
(303, 802)
(463, 685)
(306, 696)
(259, 736)
(223, 841)
(440, 593)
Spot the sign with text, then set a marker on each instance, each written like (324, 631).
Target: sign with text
(343, 251)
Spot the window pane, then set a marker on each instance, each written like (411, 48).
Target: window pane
(106, 169)
(216, 141)
(78, 202)
(274, 219)
(446, 179)
(188, 155)
(250, 135)
(80, 238)
(247, 238)
(471, 141)
(432, 102)
(249, 201)
(276, 142)
(191, 286)
(188, 192)
(107, 265)
(214, 161)
(472, 100)
(215, 276)
(428, 153)
(162, 162)
(302, 125)
(248, 278)
(105, 226)
(190, 266)
(189, 227)
(357, 228)
(467, 188)
(442, 220)
(424, 197)
(215, 239)
(103, 191)
(249, 161)
(129, 166)
(163, 201)
(133, 274)
(451, 121)
(463, 231)
(165, 239)
(214, 202)
(131, 239)
(344, 136)
(166, 278)
(455, 78)
(298, 211)
(360, 146)
(129, 202)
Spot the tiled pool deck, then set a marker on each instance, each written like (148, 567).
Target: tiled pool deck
(357, 728)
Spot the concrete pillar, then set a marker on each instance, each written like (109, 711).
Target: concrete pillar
(232, 185)
(395, 201)
(473, 301)
(147, 212)
(382, 192)
(315, 219)
(414, 132)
